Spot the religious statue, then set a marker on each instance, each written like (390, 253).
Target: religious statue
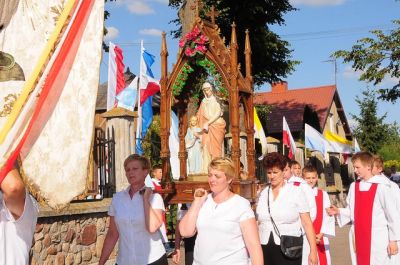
(211, 121)
(193, 146)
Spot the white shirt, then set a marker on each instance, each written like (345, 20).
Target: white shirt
(16, 235)
(308, 193)
(136, 245)
(219, 237)
(285, 211)
(385, 218)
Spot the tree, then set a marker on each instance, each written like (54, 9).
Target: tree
(271, 55)
(391, 148)
(370, 131)
(377, 58)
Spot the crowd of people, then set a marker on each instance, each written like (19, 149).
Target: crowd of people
(291, 224)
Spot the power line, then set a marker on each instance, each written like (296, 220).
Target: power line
(332, 33)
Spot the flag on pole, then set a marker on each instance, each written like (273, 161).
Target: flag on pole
(259, 133)
(148, 86)
(356, 146)
(288, 139)
(314, 140)
(338, 144)
(116, 80)
(127, 98)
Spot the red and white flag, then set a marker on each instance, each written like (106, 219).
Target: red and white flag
(288, 139)
(116, 80)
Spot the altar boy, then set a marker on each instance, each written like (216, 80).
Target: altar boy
(371, 209)
(324, 225)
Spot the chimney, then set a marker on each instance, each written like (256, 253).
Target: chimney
(279, 87)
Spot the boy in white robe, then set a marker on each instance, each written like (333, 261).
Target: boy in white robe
(324, 225)
(377, 171)
(374, 216)
(293, 179)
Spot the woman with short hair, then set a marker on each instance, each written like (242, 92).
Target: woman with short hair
(282, 209)
(225, 223)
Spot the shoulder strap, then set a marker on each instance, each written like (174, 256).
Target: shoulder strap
(272, 220)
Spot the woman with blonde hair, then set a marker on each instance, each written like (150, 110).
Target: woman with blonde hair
(225, 223)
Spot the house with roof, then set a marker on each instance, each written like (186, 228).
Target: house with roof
(319, 107)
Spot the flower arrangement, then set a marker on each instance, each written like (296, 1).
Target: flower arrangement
(211, 69)
(194, 43)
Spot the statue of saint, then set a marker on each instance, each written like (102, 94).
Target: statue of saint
(210, 120)
(193, 146)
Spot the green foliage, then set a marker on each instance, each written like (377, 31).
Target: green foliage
(371, 132)
(263, 111)
(152, 141)
(391, 148)
(390, 163)
(212, 72)
(271, 55)
(377, 58)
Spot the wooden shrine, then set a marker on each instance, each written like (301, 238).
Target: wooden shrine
(238, 91)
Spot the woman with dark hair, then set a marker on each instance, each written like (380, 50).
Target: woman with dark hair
(282, 210)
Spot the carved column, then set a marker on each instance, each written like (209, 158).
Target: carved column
(165, 112)
(234, 102)
(183, 120)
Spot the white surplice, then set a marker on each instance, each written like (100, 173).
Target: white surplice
(327, 228)
(385, 220)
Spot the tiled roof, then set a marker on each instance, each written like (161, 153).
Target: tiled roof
(292, 103)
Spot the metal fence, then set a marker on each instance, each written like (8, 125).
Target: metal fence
(104, 162)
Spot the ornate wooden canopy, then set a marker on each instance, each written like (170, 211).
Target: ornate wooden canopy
(239, 91)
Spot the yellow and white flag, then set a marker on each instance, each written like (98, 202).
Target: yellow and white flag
(338, 144)
(48, 94)
(259, 133)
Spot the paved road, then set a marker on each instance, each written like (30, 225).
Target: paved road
(339, 248)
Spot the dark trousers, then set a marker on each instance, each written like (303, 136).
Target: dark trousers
(274, 256)
(189, 248)
(161, 261)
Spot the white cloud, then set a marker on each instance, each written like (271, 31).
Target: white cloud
(317, 2)
(139, 7)
(150, 32)
(349, 73)
(111, 34)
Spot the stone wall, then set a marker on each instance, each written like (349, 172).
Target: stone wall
(74, 236)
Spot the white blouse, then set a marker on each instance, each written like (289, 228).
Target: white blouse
(136, 244)
(219, 237)
(16, 235)
(285, 210)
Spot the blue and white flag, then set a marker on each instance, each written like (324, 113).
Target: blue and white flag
(314, 140)
(148, 86)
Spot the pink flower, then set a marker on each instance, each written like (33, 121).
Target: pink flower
(189, 52)
(202, 39)
(182, 43)
(196, 31)
(201, 48)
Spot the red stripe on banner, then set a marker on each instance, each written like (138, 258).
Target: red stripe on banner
(286, 141)
(363, 209)
(319, 200)
(151, 90)
(119, 60)
(53, 86)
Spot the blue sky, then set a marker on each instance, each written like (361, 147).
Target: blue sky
(315, 31)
